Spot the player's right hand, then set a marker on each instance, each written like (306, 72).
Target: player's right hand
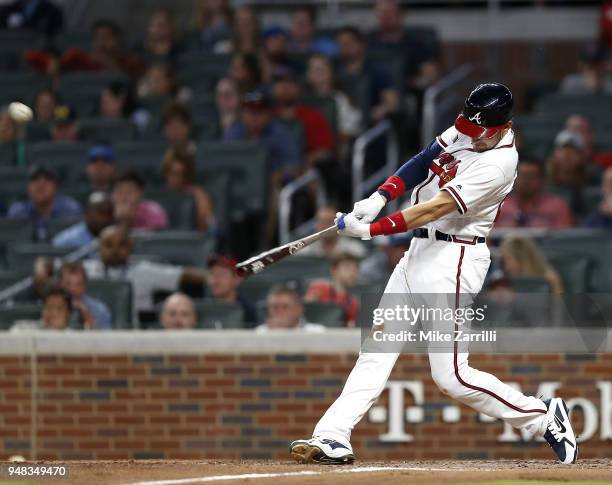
(366, 210)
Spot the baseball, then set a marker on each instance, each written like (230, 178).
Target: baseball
(20, 112)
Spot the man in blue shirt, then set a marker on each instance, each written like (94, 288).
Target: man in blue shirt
(93, 313)
(257, 124)
(98, 215)
(44, 202)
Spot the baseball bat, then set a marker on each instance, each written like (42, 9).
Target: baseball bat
(257, 263)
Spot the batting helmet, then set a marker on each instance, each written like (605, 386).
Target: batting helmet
(487, 110)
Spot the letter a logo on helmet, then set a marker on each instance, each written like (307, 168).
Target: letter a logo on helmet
(476, 118)
(486, 111)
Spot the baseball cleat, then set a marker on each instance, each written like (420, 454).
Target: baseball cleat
(559, 432)
(321, 450)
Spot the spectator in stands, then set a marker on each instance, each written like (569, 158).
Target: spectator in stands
(44, 203)
(116, 101)
(529, 205)
(602, 217)
(116, 246)
(65, 127)
(178, 313)
(344, 272)
(277, 60)
(41, 16)
(378, 265)
(227, 101)
(179, 170)
(108, 53)
(257, 124)
(419, 58)
(223, 283)
(92, 313)
(522, 257)
(580, 124)
(158, 82)
(245, 32)
(56, 313)
(159, 44)
(101, 170)
(321, 82)
(177, 127)
(303, 40)
(285, 311)
(332, 244)
(98, 215)
(44, 105)
(215, 24)
(318, 133)
(42, 280)
(384, 98)
(591, 78)
(132, 209)
(569, 170)
(245, 71)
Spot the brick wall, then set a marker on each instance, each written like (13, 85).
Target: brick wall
(252, 405)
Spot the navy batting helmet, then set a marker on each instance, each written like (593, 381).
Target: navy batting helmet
(487, 110)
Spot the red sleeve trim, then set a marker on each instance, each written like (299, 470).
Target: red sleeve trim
(461, 205)
(441, 141)
(394, 186)
(393, 224)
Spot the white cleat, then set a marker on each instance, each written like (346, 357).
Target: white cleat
(559, 432)
(321, 450)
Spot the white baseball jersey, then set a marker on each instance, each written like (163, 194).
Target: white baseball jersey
(478, 181)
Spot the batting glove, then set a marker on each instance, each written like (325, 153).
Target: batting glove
(366, 210)
(348, 225)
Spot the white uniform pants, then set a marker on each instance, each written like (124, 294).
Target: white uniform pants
(432, 266)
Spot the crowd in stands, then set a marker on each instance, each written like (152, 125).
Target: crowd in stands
(303, 94)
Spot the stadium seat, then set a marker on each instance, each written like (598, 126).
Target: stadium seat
(255, 288)
(202, 70)
(8, 278)
(563, 105)
(20, 86)
(11, 231)
(81, 90)
(20, 256)
(247, 165)
(64, 158)
(219, 315)
(592, 243)
(180, 207)
(38, 131)
(573, 269)
(299, 268)
(118, 297)
(185, 248)
(217, 185)
(107, 129)
(528, 284)
(9, 315)
(328, 314)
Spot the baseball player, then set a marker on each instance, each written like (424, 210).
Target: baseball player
(460, 181)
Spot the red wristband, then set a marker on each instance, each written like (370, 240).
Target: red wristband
(392, 224)
(394, 186)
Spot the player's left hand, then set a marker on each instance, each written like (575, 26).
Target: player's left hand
(348, 225)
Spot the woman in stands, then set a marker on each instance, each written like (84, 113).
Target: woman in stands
(179, 171)
(521, 257)
(321, 83)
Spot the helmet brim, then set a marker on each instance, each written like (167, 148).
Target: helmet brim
(465, 126)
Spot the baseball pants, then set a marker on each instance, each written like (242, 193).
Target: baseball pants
(433, 267)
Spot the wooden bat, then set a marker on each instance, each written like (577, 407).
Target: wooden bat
(257, 263)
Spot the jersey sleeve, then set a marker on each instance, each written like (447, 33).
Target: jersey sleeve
(476, 184)
(448, 137)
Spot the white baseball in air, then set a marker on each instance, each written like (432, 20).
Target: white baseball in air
(20, 112)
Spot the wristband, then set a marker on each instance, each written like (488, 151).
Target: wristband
(393, 187)
(393, 224)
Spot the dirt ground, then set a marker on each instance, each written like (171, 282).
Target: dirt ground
(170, 472)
